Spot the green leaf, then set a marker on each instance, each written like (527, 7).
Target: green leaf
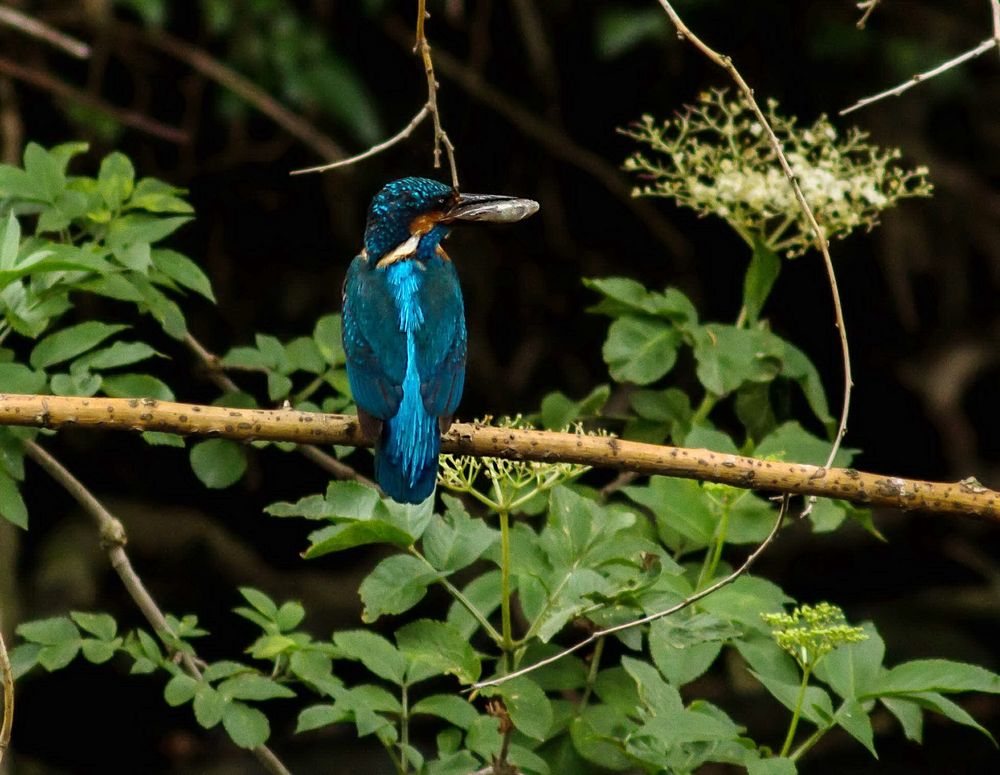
(180, 689)
(940, 704)
(99, 651)
(260, 602)
(765, 265)
(118, 354)
(250, 686)
(456, 540)
(183, 271)
(137, 386)
(70, 342)
(327, 335)
(798, 367)
(223, 669)
(18, 378)
(49, 632)
(619, 30)
(247, 727)
(57, 656)
(290, 616)
(102, 626)
(793, 443)
(374, 652)
(160, 439)
(79, 384)
(218, 463)
(853, 719)
(336, 538)
(450, 707)
(640, 350)
(116, 179)
(12, 506)
(771, 766)
(45, 170)
(138, 228)
(303, 355)
(317, 716)
(909, 714)
(728, 356)
(661, 698)
(854, 669)
(679, 507)
(559, 411)
(10, 242)
(397, 584)
(625, 296)
(433, 648)
(208, 706)
(527, 705)
(596, 735)
(155, 196)
(935, 675)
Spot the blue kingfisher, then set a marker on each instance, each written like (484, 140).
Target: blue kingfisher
(404, 326)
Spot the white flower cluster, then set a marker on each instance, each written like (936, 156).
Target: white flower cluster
(716, 159)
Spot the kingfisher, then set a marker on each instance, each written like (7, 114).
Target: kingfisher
(404, 325)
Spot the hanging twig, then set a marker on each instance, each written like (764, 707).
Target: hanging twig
(726, 63)
(967, 497)
(112, 536)
(422, 47)
(982, 48)
(868, 7)
(7, 687)
(782, 509)
(404, 133)
(39, 29)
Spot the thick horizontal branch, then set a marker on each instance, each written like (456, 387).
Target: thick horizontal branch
(967, 497)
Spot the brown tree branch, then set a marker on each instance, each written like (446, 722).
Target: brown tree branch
(325, 146)
(967, 497)
(726, 63)
(422, 47)
(43, 80)
(39, 29)
(7, 687)
(868, 8)
(113, 540)
(328, 463)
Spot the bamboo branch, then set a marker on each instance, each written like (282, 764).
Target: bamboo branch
(113, 540)
(39, 29)
(967, 497)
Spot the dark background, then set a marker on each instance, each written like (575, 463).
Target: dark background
(531, 93)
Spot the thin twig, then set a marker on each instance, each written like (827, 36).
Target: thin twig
(782, 509)
(39, 29)
(113, 540)
(325, 146)
(555, 141)
(329, 463)
(422, 47)
(982, 48)
(995, 13)
(726, 63)
(131, 118)
(7, 683)
(868, 6)
(404, 133)
(967, 497)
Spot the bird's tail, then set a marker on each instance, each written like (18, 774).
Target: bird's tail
(406, 454)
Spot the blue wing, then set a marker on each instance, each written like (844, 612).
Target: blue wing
(441, 341)
(374, 345)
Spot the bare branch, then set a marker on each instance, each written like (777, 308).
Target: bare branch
(868, 7)
(654, 616)
(113, 539)
(726, 63)
(404, 133)
(131, 118)
(995, 13)
(7, 687)
(441, 138)
(982, 48)
(967, 497)
(325, 146)
(39, 29)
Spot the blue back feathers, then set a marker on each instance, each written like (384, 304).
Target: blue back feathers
(404, 336)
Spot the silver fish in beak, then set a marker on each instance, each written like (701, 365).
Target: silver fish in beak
(490, 207)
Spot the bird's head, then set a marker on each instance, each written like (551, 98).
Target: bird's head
(409, 217)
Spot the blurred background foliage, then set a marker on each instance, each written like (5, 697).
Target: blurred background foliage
(225, 98)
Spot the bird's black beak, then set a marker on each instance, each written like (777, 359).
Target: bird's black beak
(490, 207)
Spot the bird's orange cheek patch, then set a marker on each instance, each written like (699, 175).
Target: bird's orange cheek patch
(424, 222)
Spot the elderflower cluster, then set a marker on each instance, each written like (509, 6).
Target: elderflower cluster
(514, 482)
(716, 158)
(809, 633)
